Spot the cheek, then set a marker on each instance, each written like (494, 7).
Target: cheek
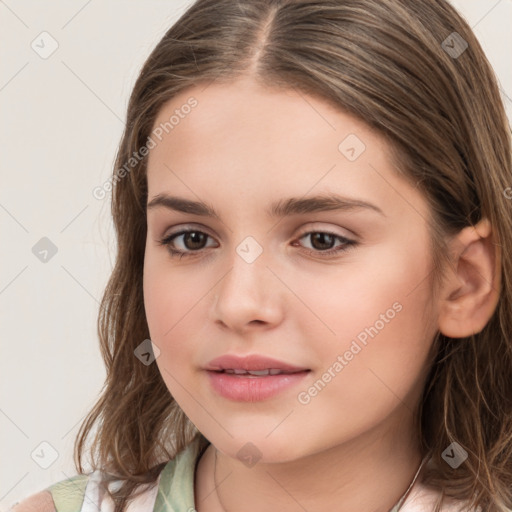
(172, 302)
(374, 305)
(167, 293)
(383, 337)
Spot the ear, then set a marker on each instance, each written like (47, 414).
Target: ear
(471, 288)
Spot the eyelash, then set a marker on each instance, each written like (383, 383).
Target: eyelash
(348, 244)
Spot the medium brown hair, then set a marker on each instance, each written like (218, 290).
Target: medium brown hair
(387, 63)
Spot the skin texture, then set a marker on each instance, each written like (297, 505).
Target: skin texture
(352, 447)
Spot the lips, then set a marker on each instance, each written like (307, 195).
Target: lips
(253, 364)
(256, 373)
(252, 378)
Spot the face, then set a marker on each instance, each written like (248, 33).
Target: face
(341, 292)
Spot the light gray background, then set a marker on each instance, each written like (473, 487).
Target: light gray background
(61, 121)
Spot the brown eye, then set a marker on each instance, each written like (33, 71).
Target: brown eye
(194, 240)
(322, 243)
(189, 241)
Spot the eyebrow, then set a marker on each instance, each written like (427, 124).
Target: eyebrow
(281, 208)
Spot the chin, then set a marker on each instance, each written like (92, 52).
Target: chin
(256, 447)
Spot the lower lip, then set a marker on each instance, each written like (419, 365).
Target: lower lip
(244, 388)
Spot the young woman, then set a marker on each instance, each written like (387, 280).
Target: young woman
(311, 304)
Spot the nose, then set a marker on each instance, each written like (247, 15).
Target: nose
(248, 296)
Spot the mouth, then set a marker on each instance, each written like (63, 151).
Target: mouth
(252, 377)
(242, 385)
(258, 373)
(253, 364)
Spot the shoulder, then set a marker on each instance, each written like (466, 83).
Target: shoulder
(39, 502)
(68, 495)
(174, 484)
(64, 496)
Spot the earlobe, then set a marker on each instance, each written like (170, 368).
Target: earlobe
(471, 288)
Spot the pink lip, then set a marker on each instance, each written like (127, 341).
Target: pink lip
(251, 362)
(250, 388)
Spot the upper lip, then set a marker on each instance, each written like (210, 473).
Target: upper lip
(250, 362)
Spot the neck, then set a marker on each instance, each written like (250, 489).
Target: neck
(366, 474)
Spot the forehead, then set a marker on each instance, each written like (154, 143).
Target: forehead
(245, 109)
(258, 141)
